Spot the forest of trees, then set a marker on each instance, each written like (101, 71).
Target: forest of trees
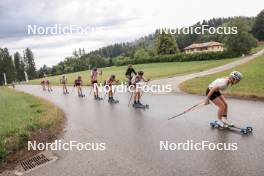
(15, 67)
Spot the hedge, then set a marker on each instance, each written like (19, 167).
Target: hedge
(180, 57)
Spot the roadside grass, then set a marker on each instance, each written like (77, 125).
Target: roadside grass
(152, 71)
(252, 85)
(21, 117)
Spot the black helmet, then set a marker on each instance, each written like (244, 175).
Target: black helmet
(141, 73)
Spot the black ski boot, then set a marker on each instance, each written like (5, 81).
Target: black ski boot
(140, 105)
(98, 98)
(111, 100)
(81, 95)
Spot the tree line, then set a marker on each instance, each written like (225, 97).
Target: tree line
(15, 67)
(151, 48)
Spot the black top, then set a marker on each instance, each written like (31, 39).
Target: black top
(129, 71)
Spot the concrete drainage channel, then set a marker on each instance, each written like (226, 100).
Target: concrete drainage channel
(33, 163)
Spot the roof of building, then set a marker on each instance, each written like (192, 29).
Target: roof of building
(203, 45)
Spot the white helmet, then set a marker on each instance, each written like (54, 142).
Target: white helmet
(236, 75)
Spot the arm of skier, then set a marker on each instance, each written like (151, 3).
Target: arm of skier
(145, 80)
(133, 70)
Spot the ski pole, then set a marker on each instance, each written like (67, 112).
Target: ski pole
(72, 89)
(188, 110)
(105, 96)
(143, 91)
(130, 99)
(91, 89)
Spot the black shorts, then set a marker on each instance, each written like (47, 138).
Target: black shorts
(214, 95)
(93, 82)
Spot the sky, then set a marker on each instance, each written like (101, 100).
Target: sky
(112, 21)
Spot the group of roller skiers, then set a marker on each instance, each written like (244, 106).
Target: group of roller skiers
(46, 85)
(132, 76)
(213, 91)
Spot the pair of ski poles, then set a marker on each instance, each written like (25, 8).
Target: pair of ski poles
(189, 110)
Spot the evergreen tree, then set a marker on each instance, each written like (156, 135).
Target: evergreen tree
(30, 64)
(19, 66)
(166, 44)
(258, 27)
(7, 66)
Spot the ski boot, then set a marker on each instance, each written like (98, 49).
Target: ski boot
(98, 98)
(140, 105)
(111, 100)
(81, 95)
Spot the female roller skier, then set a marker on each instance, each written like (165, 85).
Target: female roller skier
(213, 93)
(78, 84)
(42, 83)
(130, 70)
(94, 83)
(48, 83)
(109, 83)
(64, 81)
(135, 82)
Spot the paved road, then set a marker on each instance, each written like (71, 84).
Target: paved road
(132, 137)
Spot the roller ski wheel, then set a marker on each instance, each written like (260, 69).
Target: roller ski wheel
(249, 129)
(213, 124)
(243, 130)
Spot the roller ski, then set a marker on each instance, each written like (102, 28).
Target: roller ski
(111, 100)
(81, 95)
(98, 98)
(243, 130)
(65, 93)
(139, 105)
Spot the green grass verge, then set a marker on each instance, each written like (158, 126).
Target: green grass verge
(152, 70)
(22, 115)
(252, 84)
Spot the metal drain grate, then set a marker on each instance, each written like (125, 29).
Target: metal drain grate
(34, 162)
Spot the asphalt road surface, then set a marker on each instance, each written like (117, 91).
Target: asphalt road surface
(132, 137)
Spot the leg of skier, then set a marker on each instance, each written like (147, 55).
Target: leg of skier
(221, 110)
(224, 119)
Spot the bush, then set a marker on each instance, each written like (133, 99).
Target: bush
(180, 57)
